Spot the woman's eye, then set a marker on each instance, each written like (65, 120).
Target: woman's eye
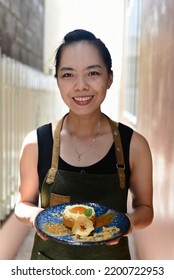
(67, 75)
(93, 73)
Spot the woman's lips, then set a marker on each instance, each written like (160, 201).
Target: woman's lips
(83, 100)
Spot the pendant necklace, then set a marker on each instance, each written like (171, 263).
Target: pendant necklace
(88, 147)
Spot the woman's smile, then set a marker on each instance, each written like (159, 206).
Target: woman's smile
(83, 100)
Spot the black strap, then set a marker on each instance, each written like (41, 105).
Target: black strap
(45, 146)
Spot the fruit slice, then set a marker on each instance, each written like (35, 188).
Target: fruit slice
(82, 226)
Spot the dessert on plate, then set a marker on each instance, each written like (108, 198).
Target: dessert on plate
(80, 218)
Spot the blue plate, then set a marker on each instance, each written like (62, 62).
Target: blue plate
(119, 225)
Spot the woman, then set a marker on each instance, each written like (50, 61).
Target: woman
(88, 165)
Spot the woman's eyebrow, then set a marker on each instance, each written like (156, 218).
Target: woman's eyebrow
(66, 69)
(88, 67)
(94, 66)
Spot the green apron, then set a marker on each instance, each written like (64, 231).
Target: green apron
(63, 186)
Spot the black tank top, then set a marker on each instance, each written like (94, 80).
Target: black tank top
(107, 165)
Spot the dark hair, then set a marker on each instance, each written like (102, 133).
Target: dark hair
(81, 35)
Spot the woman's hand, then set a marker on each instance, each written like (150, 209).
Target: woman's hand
(34, 216)
(113, 242)
(41, 235)
(117, 240)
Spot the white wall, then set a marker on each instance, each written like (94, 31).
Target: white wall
(103, 18)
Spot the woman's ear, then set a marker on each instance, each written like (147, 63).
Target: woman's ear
(110, 79)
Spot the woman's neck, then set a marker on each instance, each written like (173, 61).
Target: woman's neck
(83, 126)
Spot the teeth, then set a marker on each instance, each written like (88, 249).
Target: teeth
(82, 99)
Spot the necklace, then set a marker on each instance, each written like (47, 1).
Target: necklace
(88, 147)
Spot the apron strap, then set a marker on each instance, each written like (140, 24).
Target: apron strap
(118, 150)
(55, 154)
(119, 153)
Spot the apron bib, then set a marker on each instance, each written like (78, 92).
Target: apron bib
(63, 186)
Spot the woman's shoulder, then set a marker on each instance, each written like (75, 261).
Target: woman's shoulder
(137, 139)
(30, 138)
(140, 150)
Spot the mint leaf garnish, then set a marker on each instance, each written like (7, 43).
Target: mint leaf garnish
(88, 212)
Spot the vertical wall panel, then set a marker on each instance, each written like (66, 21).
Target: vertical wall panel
(155, 121)
(27, 97)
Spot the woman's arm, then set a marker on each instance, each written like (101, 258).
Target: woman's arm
(141, 182)
(27, 208)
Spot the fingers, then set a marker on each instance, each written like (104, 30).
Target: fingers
(113, 242)
(117, 240)
(42, 236)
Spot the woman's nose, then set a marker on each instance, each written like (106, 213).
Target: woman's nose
(81, 84)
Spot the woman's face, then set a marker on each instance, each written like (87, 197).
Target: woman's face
(82, 77)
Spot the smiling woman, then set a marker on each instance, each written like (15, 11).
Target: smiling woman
(85, 156)
(82, 75)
